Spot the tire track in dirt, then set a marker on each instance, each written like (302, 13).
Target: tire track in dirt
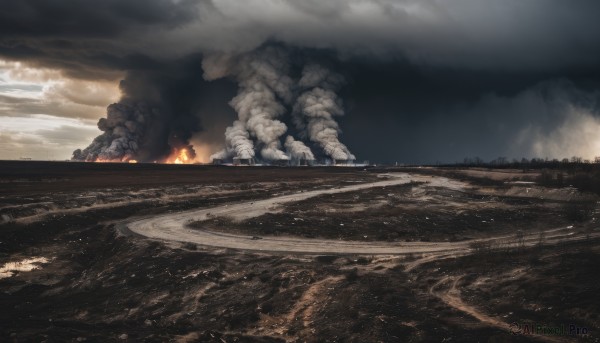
(451, 297)
(303, 309)
(172, 227)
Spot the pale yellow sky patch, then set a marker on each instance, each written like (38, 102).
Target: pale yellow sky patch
(45, 115)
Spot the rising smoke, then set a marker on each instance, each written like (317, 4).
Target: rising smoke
(263, 85)
(298, 150)
(127, 130)
(238, 141)
(265, 88)
(157, 116)
(316, 107)
(135, 130)
(123, 128)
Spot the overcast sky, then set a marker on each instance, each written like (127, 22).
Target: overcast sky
(425, 80)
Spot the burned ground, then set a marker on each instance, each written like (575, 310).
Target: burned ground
(98, 284)
(412, 212)
(551, 286)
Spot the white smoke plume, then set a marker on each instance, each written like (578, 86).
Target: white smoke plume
(238, 143)
(297, 149)
(263, 79)
(221, 154)
(316, 107)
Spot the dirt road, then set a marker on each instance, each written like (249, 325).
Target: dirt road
(173, 226)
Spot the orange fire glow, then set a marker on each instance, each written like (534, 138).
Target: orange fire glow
(100, 160)
(203, 152)
(124, 160)
(180, 156)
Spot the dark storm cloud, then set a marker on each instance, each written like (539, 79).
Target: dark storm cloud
(469, 34)
(426, 80)
(87, 39)
(61, 20)
(423, 119)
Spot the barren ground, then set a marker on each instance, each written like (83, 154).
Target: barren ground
(92, 252)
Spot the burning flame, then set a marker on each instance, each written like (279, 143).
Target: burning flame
(180, 156)
(101, 160)
(124, 160)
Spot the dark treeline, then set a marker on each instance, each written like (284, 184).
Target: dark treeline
(534, 163)
(584, 179)
(574, 172)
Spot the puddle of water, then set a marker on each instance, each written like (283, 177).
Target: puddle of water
(26, 265)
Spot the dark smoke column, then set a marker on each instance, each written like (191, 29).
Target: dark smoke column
(123, 128)
(154, 120)
(316, 107)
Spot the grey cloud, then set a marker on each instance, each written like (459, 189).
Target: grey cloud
(426, 79)
(544, 120)
(11, 88)
(473, 34)
(66, 135)
(20, 106)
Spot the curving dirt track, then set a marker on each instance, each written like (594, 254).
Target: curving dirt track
(173, 226)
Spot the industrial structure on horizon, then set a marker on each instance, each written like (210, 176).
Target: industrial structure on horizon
(236, 161)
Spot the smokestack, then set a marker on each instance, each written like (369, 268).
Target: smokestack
(316, 107)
